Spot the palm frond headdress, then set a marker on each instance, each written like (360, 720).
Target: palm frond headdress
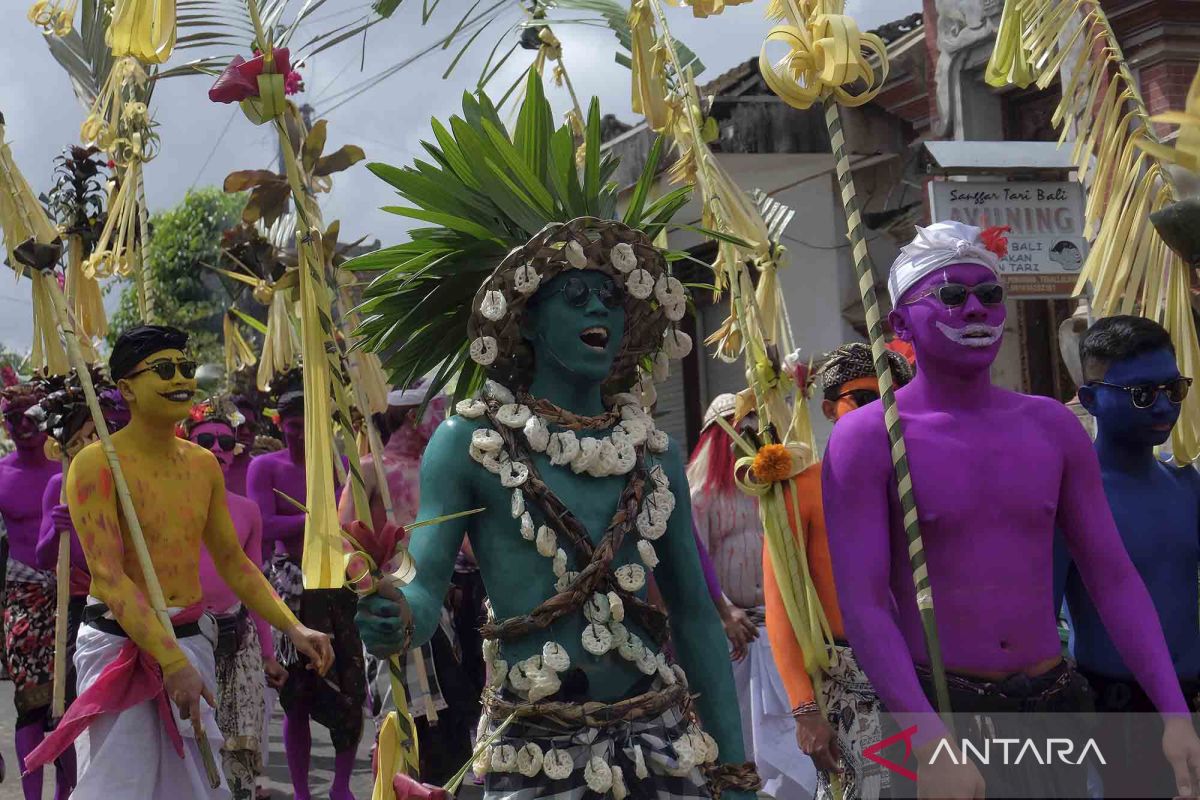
(511, 212)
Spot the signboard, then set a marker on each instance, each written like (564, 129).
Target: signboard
(1046, 248)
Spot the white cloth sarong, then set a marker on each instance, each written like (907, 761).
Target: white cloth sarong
(768, 730)
(128, 756)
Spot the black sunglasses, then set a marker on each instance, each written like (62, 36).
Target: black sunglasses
(953, 295)
(860, 396)
(1145, 395)
(207, 440)
(577, 291)
(166, 369)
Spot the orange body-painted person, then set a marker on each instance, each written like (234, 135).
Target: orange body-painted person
(847, 379)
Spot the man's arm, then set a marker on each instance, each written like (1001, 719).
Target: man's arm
(253, 550)
(855, 478)
(445, 489)
(260, 485)
(92, 498)
(1112, 581)
(238, 571)
(695, 629)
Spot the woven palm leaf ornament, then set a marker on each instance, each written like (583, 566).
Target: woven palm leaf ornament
(1121, 162)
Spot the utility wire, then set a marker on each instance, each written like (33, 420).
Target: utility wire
(216, 144)
(352, 92)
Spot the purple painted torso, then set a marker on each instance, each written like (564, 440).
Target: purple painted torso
(235, 476)
(283, 523)
(23, 478)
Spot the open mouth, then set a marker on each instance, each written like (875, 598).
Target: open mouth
(595, 338)
(181, 396)
(974, 335)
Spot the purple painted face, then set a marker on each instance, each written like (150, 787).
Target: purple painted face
(964, 338)
(21, 429)
(217, 437)
(292, 428)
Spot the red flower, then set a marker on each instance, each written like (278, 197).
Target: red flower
(293, 83)
(197, 412)
(379, 545)
(239, 81)
(993, 239)
(8, 375)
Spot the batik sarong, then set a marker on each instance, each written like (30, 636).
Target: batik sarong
(337, 699)
(29, 613)
(641, 748)
(852, 708)
(129, 755)
(240, 711)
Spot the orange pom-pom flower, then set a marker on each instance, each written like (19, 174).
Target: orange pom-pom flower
(772, 463)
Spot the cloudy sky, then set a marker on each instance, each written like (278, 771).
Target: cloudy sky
(202, 142)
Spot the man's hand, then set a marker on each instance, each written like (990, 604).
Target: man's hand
(277, 674)
(61, 516)
(382, 625)
(816, 740)
(740, 630)
(185, 687)
(945, 780)
(1182, 749)
(315, 645)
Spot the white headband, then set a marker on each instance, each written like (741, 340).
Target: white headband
(934, 247)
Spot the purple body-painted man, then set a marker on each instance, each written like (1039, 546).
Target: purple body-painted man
(283, 536)
(29, 595)
(993, 472)
(235, 475)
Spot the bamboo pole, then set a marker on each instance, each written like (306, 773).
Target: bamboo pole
(891, 414)
(128, 511)
(62, 583)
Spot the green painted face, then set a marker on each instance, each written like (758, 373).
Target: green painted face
(576, 323)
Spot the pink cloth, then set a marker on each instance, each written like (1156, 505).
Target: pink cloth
(730, 528)
(217, 596)
(133, 677)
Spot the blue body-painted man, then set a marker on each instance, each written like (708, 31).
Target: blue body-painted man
(1134, 389)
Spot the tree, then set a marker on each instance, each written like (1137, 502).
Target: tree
(187, 295)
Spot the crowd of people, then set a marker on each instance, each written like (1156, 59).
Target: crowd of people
(1106, 532)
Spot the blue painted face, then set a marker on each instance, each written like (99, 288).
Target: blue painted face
(575, 331)
(1117, 417)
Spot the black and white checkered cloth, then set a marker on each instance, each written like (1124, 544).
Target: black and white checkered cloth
(618, 746)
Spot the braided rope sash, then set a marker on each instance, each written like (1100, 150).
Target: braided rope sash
(598, 572)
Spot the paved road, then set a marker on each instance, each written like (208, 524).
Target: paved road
(322, 759)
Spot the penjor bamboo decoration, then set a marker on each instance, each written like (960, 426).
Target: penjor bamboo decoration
(1121, 161)
(827, 56)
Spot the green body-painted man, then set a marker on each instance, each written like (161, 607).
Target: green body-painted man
(583, 499)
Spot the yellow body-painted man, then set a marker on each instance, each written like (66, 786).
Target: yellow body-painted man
(178, 493)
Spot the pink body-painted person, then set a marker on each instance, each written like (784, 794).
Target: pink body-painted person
(993, 473)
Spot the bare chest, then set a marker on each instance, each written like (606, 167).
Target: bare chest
(999, 470)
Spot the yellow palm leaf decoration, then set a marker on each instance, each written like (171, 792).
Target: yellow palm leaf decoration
(83, 295)
(826, 55)
(1120, 159)
(706, 8)
(281, 345)
(144, 29)
(31, 239)
(57, 18)
(238, 352)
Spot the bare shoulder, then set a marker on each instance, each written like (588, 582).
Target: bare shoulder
(266, 462)
(860, 436)
(89, 459)
(453, 436)
(244, 505)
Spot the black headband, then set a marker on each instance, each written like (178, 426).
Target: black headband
(136, 344)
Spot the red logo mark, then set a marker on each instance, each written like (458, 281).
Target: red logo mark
(872, 752)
